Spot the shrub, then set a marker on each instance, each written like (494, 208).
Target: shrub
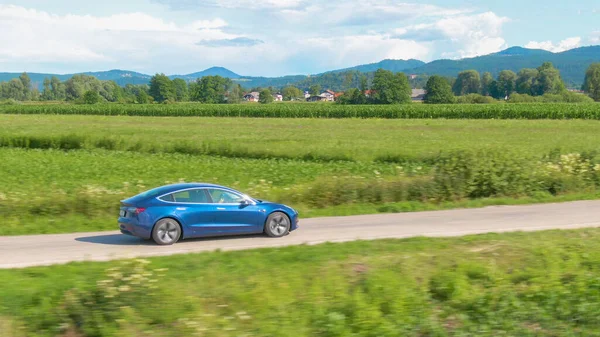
(474, 99)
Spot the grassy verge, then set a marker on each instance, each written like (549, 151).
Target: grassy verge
(53, 191)
(519, 284)
(302, 139)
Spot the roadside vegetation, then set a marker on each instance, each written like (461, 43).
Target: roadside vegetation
(534, 284)
(68, 173)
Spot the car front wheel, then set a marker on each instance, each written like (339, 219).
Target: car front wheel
(277, 225)
(166, 232)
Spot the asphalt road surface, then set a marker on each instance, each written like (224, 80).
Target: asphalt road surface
(38, 250)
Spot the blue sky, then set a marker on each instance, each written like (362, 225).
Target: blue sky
(276, 37)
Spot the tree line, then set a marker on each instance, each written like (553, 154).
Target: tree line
(381, 87)
(528, 85)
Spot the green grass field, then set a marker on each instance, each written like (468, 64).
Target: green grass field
(354, 139)
(533, 284)
(68, 173)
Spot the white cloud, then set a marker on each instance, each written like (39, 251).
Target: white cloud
(595, 37)
(566, 44)
(40, 37)
(470, 35)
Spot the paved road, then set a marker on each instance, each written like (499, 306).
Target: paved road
(36, 250)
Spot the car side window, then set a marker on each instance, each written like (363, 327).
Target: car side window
(197, 196)
(224, 197)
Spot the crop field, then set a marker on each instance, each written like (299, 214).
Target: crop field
(309, 139)
(283, 110)
(519, 284)
(68, 173)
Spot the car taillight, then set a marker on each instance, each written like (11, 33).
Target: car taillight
(139, 210)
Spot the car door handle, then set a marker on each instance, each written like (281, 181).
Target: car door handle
(221, 208)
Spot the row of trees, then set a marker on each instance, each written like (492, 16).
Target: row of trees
(386, 87)
(543, 81)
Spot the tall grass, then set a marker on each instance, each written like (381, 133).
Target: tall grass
(453, 111)
(519, 284)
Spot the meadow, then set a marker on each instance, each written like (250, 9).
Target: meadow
(518, 284)
(68, 173)
(322, 110)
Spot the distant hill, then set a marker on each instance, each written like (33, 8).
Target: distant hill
(391, 65)
(571, 63)
(214, 71)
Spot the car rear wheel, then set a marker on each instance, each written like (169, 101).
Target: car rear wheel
(277, 225)
(166, 232)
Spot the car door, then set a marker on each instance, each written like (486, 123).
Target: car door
(194, 208)
(232, 216)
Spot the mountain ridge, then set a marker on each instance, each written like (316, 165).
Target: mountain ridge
(572, 64)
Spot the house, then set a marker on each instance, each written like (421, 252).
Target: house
(329, 95)
(417, 95)
(278, 97)
(412, 76)
(338, 95)
(317, 98)
(252, 96)
(306, 95)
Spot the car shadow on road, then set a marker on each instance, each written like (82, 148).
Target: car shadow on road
(127, 240)
(115, 240)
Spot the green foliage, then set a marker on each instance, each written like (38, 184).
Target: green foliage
(467, 82)
(314, 90)
(405, 111)
(474, 99)
(291, 93)
(591, 84)
(352, 96)
(142, 97)
(438, 91)
(91, 97)
(486, 83)
(526, 81)
(506, 84)
(265, 96)
(512, 284)
(564, 97)
(390, 88)
(162, 89)
(548, 81)
(181, 90)
(210, 89)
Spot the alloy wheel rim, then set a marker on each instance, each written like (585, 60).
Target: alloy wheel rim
(167, 232)
(279, 224)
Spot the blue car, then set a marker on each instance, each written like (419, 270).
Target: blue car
(169, 213)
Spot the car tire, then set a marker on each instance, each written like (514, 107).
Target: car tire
(166, 232)
(277, 225)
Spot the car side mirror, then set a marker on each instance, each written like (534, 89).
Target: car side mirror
(245, 202)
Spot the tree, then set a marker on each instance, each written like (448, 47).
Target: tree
(265, 96)
(314, 90)
(591, 84)
(236, 95)
(364, 84)
(26, 81)
(390, 88)
(142, 97)
(12, 89)
(76, 86)
(91, 97)
(438, 91)
(181, 90)
(548, 80)
(290, 93)
(161, 88)
(486, 82)
(506, 83)
(467, 82)
(525, 81)
(210, 89)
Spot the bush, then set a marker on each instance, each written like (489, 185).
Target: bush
(475, 99)
(91, 97)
